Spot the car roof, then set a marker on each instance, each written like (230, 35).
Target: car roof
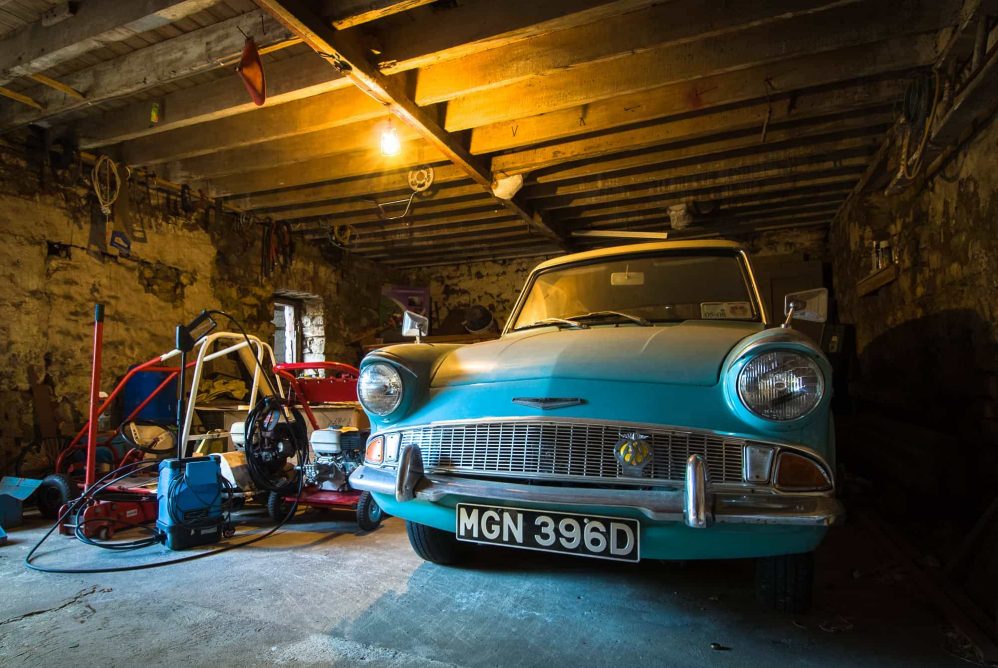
(638, 248)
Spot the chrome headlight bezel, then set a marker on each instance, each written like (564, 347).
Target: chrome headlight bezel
(384, 378)
(804, 373)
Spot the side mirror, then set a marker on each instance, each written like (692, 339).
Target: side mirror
(811, 305)
(414, 324)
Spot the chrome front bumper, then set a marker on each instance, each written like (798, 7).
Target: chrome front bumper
(696, 504)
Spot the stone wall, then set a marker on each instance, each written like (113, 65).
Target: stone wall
(50, 281)
(496, 284)
(926, 343)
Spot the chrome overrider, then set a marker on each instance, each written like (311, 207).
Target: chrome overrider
(696, 504)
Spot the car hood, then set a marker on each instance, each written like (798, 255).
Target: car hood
(687, 353)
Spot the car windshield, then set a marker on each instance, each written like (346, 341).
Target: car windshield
(640, 289)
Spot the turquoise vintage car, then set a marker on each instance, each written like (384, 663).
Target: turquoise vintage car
(638, 405)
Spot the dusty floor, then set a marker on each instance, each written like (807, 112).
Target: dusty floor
(323, 593)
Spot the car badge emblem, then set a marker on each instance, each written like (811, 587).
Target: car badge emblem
(547, 403)
(633, 453)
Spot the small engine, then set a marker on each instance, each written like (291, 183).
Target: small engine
(337, 453)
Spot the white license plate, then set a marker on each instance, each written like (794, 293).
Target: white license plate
(597, 536)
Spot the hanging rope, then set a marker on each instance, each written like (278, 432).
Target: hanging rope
(106, 183)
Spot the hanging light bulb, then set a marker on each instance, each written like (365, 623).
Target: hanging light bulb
(390, 144)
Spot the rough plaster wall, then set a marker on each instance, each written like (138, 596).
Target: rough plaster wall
(497, 284)
(927, 342)
(46, 303)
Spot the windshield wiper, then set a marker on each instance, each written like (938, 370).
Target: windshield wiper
(548, 322)
(605, 314)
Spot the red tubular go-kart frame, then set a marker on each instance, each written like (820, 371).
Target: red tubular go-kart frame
(341, 387)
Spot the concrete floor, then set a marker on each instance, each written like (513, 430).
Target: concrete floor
(323, 593)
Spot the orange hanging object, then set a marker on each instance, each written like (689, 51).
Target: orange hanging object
(250, 69)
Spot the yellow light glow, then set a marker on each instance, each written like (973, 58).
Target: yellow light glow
(390, 144)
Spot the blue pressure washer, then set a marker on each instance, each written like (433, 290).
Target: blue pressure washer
(190, 502)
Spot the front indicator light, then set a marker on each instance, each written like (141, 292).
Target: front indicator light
(375, 450)
(795, 473)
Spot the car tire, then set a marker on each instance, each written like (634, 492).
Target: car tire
(277, 507)
(434, 545)
(369, 513)
(55, 491)
(785, 582)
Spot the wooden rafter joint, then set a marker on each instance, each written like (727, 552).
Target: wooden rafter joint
(57, 85)
(20, 97)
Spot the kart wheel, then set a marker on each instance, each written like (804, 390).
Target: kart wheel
(369, 513)
(55, 491)
(277, 507)
(440, 547)
(784, 583)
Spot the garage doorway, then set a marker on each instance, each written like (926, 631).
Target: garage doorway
(288, 332)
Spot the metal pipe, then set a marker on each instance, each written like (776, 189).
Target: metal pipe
(91, 473)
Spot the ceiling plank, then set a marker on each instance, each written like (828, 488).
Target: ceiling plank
(160, 63)
(632, 75)
(615, 37)
(490, 256)
(430, 34)
(335, 109)
(345, 14)
(352, 61)
(295, 78)
(95, 24)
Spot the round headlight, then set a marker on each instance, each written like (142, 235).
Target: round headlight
(379, 388)
(781, 385)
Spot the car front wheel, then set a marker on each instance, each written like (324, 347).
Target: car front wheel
(785, 582)
(440, 547)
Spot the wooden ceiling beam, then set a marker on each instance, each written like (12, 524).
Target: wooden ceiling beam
(345, 14)
(334, 109)
(658, 203)
(596, 44)
(96, 24)
(367, 229)
(511, 228)
(583, 150)
(296, 78)
(350, 57)
(822, 151)
(166, 61)
(686, 64)
(392, 182)
(353, 211)
(456, 251)
(667, 105)
(320, 170)
(434, 34)
(489, 256)
(355, 137)
(825, 210)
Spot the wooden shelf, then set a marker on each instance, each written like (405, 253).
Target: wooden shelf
(877, 280)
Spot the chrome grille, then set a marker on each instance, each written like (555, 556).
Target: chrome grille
(568, 450)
